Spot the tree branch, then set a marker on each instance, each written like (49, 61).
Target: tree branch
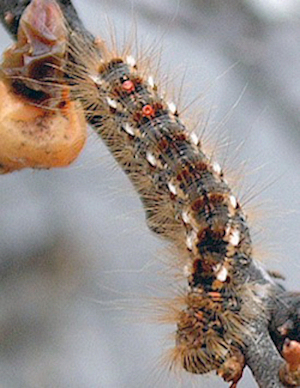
(11, 11)
(264, 341)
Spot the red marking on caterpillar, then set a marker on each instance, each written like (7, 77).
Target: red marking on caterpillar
(128, 86)
(148, 111)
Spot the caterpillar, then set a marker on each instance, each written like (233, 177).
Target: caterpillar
(187, 201)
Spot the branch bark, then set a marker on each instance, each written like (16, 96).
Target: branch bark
(263, 342)
(11, 11)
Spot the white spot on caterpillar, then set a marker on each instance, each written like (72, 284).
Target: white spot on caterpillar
(151, 81)
(221, 272)
(185, 217)
(130, 60)
(190, 238)
(172, 107)
(194, 138)
(129, 129)
(217, 168)
(234, 238)
(172, 188)
(233, 201)
(151, 159)
(112, 103)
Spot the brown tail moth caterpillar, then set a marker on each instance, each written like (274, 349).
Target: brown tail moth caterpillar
(228, 298)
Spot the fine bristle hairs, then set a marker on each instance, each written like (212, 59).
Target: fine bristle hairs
(228, 312)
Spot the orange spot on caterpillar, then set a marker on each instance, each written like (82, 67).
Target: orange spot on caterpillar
(215, 296)
(199, 315)
(148, 111)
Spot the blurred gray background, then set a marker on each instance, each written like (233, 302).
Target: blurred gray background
(77, 263)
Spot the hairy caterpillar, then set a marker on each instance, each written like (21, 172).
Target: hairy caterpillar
(186, 199)
(150, 158)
